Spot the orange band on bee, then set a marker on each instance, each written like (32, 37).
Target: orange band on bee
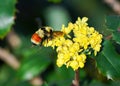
(36, 37)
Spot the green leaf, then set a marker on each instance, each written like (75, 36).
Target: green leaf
(55, 1)
(7, 10)
(96, 83)
(35, 64)
(45, 84)
(60, 76)
(8, 78)
(116, 36)
(108, 61)
(113, 22)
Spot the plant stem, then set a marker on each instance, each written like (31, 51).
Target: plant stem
(76, 79)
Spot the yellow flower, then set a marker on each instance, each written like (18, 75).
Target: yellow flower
(66, 30)
(74, 64)
(81, 64)
(60, 62)
(72, 50)
(81, 58)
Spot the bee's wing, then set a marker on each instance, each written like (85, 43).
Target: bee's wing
(57, 34)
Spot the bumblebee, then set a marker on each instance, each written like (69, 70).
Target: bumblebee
(44, 33)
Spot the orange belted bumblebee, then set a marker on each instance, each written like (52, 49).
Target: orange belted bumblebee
(44, 33)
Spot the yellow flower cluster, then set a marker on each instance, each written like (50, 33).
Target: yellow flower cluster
(79, 40)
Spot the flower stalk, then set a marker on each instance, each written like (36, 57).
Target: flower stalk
(76, 79)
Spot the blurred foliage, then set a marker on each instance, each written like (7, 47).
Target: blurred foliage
(113, 22)
(55, 1)
(7, 12)
(60, 16)
(32, 66)
(8, 78)
(40, 61)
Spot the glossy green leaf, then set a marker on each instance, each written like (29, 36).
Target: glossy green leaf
(113, 22)
(98, 83)
(7, 11)
(108, 61)
(116, 36)
(35, 64)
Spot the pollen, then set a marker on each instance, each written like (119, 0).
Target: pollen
(78, 42)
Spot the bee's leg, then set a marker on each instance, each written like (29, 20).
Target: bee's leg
(41, 43)
(43, 39)
(51, 35)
